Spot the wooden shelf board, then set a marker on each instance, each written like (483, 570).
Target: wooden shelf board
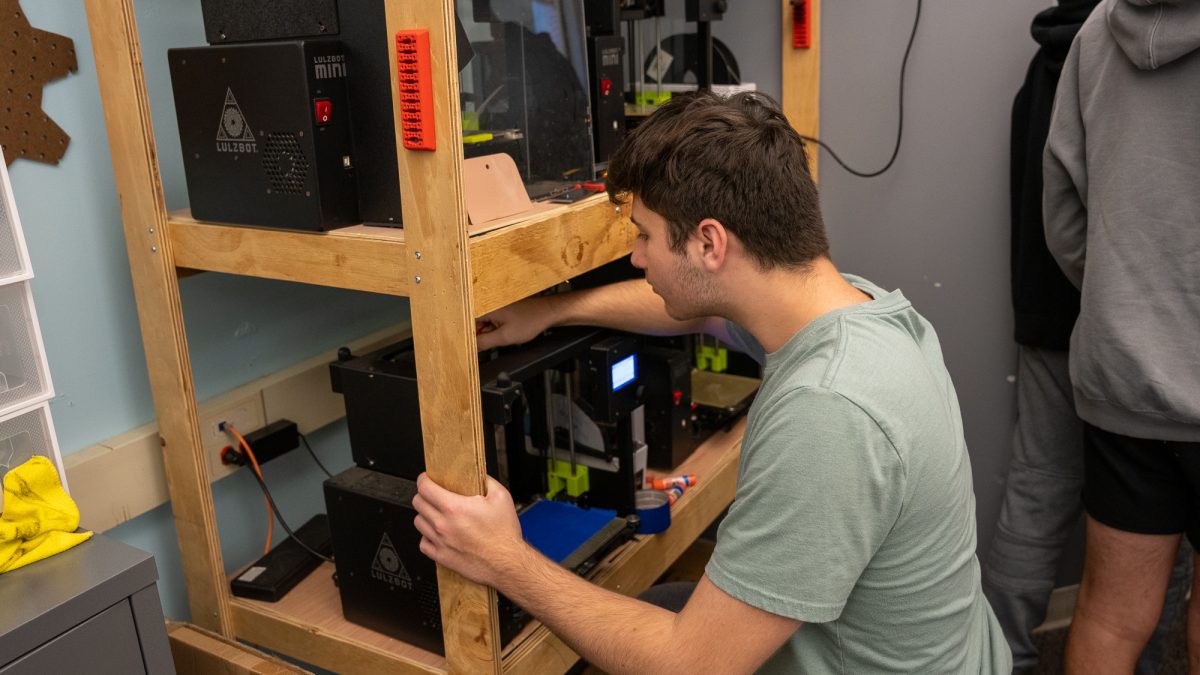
(519, 260)
(308, 623)
(507, 264)
(364, 258)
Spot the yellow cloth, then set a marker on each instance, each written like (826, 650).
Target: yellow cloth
(39, 517)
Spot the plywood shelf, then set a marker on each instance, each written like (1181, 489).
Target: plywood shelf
(360, 258)
(507, 264)
(519, 260)
(308, 624)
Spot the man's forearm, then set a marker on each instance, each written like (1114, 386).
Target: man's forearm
(616, 633)
(631, 306)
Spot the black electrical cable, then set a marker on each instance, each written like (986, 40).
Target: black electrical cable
(900, 129)
(278, 516)
(304, 439)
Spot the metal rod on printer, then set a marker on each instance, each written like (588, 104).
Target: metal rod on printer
(549, 384)
(641, 74)
(570, 422)
(658, 50)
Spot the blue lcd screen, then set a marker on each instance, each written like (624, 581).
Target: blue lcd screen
(624, 372)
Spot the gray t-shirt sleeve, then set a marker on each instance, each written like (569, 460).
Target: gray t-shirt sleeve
(744, 342)
(820, 487)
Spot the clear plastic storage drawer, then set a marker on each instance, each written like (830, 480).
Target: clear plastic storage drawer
(25, 434)
(14, 259)
(24, 379)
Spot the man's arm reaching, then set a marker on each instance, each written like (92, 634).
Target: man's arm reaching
(630, 306)
(480, 538)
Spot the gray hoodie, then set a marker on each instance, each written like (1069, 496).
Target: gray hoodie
(1122, 212)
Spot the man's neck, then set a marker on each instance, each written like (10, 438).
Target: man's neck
(775, 305)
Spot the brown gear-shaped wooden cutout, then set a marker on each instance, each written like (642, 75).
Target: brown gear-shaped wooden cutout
(29, 59)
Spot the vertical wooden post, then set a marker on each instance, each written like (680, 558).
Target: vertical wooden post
(443, 318)
(156, 290)
(801, 71)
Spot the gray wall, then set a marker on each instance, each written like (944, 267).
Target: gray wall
(936, 225)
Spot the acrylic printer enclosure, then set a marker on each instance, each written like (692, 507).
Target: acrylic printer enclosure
(525, 91)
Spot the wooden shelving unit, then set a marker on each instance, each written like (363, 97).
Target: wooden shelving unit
(450, 278)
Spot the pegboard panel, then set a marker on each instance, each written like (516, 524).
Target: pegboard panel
(29, 59)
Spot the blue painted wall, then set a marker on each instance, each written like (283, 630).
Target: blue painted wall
(238, 329)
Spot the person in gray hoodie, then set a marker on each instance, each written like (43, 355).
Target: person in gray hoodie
(1122, 219)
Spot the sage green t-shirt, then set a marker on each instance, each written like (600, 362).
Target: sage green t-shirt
(854, 510)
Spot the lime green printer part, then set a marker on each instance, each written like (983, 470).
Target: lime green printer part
(712, 358)
(651, 97)
(562, 478)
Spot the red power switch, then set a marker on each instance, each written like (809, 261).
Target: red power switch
(324, 111)
(605, 87)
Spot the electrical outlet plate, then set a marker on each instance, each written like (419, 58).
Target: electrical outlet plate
(244, 411)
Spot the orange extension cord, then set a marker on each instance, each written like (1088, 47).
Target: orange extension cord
(254, 464)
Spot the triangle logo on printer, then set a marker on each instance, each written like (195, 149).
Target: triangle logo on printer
(233, 132)
(387, 566)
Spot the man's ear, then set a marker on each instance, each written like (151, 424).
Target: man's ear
(713, 240)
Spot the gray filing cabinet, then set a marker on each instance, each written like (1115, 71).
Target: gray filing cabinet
(90, 609)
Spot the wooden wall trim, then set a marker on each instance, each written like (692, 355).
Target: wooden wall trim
(801, 79)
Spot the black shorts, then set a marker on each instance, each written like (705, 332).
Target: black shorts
(1143, 486)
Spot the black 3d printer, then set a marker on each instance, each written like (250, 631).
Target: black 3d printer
(563, 413)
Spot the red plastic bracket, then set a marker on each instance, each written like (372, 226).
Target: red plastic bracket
(801, 26)
(416, 89)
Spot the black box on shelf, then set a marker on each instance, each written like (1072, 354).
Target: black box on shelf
(265, 133)
(227, 21)
(672, 432)
(606, 65)
(385, 582)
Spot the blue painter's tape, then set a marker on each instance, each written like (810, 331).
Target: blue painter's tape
(654, 508)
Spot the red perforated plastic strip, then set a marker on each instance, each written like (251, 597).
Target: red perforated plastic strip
(416, 89)
(801, 35)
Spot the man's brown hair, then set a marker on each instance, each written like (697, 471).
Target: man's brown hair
(733, 159)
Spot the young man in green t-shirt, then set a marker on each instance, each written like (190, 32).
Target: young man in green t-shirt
(850, 544)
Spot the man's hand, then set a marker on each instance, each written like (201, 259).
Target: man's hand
(515, 324)
(478, 537)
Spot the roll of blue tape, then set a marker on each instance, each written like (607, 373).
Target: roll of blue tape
(654, 508)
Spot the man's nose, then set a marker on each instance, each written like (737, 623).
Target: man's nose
(638, 258)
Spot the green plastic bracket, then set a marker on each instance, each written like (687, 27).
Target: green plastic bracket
(651, 97)
(561, 478)
(715, 359)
